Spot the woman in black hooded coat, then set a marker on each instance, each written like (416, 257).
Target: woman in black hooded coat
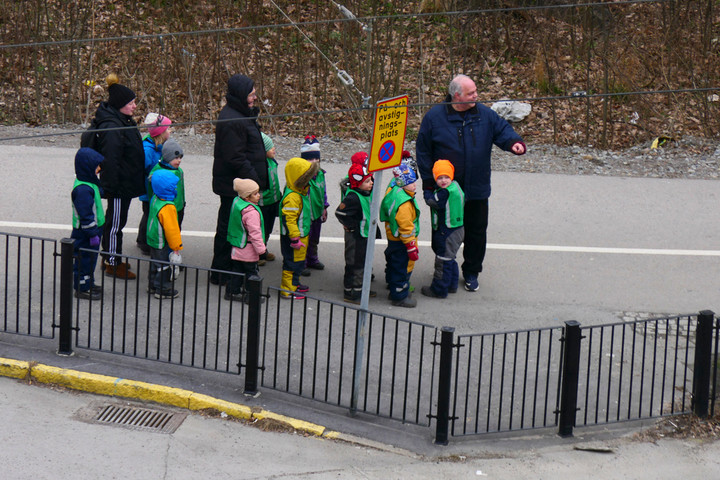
(239, 153)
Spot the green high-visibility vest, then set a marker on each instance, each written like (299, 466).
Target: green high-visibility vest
(454, 208)
(237, 233)
(272, 195)
(155, 231)
(97, 206)
(365, 205)
(317, 195)
(389, 207)
(180, 197)
(304, 218)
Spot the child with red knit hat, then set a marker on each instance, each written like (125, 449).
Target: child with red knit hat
(447, 218)
(358, 158)
(354, 215)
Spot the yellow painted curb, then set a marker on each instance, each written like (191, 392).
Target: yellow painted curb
(199, 401)
(292, 422)
(14, 368)
(104, 385)
(119, 387)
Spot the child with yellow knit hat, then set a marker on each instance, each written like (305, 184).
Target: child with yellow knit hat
(446, 208)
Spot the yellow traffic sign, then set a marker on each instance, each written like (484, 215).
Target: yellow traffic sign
(388, 137)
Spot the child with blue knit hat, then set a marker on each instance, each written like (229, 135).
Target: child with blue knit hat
(163, 233)
(310, 150)
(399, 210)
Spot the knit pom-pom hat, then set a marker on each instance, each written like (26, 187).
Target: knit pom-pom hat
(156, 123)
(360, 158)
(120, 95)
(310, 149)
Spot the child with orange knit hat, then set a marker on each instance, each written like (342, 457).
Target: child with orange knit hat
(447, 217)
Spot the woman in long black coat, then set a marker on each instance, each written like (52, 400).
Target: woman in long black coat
(239, 153)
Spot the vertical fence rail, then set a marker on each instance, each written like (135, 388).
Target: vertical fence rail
(444, 386)
(66, 292)
(570, 372)
(703, 367)
(715, 366)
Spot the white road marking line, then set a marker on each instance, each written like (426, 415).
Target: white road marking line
(490, 246)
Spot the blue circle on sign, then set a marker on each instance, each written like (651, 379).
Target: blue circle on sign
(386, 151)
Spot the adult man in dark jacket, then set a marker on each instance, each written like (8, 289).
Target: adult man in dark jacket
(464, 131)
(239, 153)
(122, 174)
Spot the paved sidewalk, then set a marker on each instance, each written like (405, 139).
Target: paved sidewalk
(45, 434)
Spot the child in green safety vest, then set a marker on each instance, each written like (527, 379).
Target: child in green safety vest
(399, 210)
(270, 198)
(163, 234)
(295, 219)
(447, 206)
(354, 215)
(310, 150)
(246, 234)
(88, 220)
(172, 155)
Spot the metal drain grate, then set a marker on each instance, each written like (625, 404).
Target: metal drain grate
(136, 418)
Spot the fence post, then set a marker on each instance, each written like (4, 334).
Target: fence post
(570, 372)
(66, 297)
(703, 363)
(253, 285)
(444, 383)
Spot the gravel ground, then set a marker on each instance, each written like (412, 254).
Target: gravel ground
(689, 157)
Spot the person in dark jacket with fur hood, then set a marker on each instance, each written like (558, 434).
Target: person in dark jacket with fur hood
(239, 153)
(122, 177)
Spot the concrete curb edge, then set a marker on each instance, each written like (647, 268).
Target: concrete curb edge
(120, 387)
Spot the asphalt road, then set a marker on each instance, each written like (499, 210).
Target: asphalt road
(586, 248)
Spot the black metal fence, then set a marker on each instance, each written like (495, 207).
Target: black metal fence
(30, 266)
(310, 349)
(507, 381)
(636, 370)
(368, 362)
